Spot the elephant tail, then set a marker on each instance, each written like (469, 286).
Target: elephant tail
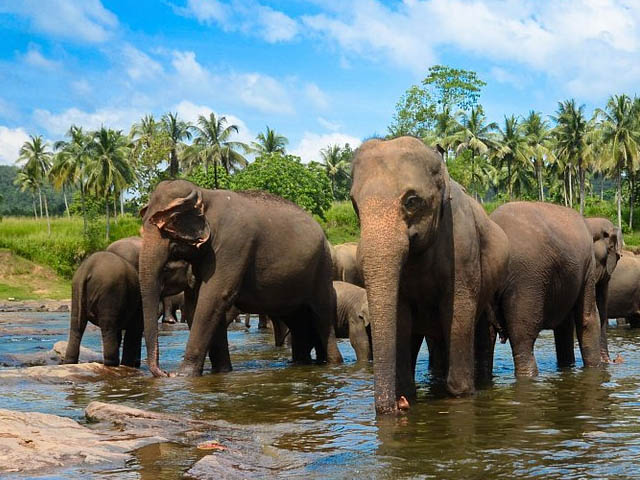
(496, 319)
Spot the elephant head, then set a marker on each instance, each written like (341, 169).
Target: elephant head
(400, 189)
(607, 246)
(174, 228)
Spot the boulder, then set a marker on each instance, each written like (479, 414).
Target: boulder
(81, 372)
(55, 356)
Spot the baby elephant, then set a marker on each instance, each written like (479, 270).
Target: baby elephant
(105, 291)
(352, 318)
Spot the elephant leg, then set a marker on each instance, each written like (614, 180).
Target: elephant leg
(563, 335)
(588, 326)
(76, 331)
(167, 311)
(601, 302)
(323, 314)
(460, 340)
(111, 339)
(219, 352)
(634, 322)
(280, 332)
(484, 344)
(189, 307)
(262, 321)
(405, 379)
(523, 314)
(438, 358)
(132, 347)
(301, 339)
(247, 320)
(359, 340)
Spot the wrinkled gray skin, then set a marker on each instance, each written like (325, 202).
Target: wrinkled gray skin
(607, 247)
(105, 292)
(352, 318)
(248, 249)
(177, 279)
(345, 263)
(624, 290)
(550, 283)
(431, 260)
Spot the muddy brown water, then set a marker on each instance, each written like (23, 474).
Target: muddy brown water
(568, 424)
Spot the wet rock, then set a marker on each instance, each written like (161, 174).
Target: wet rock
(81, 372)
(62, 308)
(55, 356)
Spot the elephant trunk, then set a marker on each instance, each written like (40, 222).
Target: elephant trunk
(383, 248)
(153, 255)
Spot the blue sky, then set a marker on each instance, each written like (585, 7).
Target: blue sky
(319, 72)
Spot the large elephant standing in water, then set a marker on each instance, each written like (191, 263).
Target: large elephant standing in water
(550, 284)
(607, 247)
(624, 290)
(253, 250)
(432, 260)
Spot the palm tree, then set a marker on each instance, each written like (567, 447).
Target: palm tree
(212, 146)
(620, 135)
(269, 142)
(177, 131)
(511, 147)
(68, 165)
(571, 134)
(538, 137)
(109, 171)
(37, 162)
(144, 131)
(335, 164)
(26, 182)
(474, 134)
(445, 124)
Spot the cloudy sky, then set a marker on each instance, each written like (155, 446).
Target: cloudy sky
(318, 72)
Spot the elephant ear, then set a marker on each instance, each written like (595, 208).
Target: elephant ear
(614, 250)
(183, 220)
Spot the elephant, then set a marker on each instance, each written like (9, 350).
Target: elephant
(607, 247)
(624, 290)
(105, 291)
(352, 318)
(550, 283)
(431, 260)
(345, 263)
(178, 279)
(252, 250)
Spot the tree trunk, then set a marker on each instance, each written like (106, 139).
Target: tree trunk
(66, 204)
(564, 188)
(570, 188)
(215, 175)
(173, 165)
(619, 197)
(632, 182)
(35, 209)
(601, 187)
(106, 198)
(115, 208)
(84, 210)
(539, 177)
(46, 210)
(122, 203)
(473, 176)
(581, 180)
(509, 187)
(40, 197)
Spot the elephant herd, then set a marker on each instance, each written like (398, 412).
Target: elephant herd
(430, 265)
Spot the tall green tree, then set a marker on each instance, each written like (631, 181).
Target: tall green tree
(37, 162)
(620, 136)
(177, 131)
(538, 136)
(474, 134)
(213, 146)
(27, 183)
(336, 164)
(269, 141)
(512, 148)
(109, 171)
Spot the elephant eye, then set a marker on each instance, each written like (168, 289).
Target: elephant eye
(605, 234)
(412, 202)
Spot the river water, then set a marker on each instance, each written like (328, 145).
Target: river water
(568, 424)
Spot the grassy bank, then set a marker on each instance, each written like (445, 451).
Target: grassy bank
(23, 279)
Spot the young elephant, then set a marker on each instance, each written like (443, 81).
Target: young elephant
(607, 246)
(170, 307)
(432, 260)
(251, 250)
(345, 263)
(550, 284)
(624, 290)
(352, 318)
(105, 292)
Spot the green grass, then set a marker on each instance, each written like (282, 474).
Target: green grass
(23, 279)
(341, 224)
(66, 247)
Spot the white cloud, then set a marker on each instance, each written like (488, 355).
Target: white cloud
(188, 67)
(58, 124)
(329, 125)
(309, 147)
(263, 93)
(506, 76)
(246, 16)
(81, 86)
(11, 139)
(79, 20)
(316, 95)
(592, 45)
(35, 58)
(190, 112)
(139, 65)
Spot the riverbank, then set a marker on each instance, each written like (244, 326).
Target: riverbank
(25, 284)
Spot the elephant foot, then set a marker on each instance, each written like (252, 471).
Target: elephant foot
(169, 321)
(157, 371)
(402, 403)
(604, 358)
(221, 369)
(189, 371)
(618, 359)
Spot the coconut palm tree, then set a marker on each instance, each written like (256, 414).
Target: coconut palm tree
(27, 183)
(620, 136)
(37, 162)
(109, 171)
(539, 141)
(335, 164)
(68, 166)
(511, 148)
(572, 144)
(212, 146)
(269, 142)
(474, 134)
(144, 131)
(177, 131)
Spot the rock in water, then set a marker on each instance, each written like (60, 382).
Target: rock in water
(81, 372)
(55, 356)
